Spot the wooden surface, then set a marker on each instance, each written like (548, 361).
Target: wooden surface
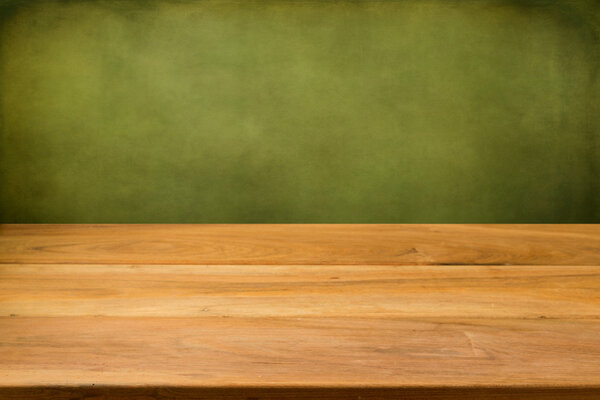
(302, 244)
(237, 312)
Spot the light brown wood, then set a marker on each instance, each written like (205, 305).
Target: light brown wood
(523, 292)
(302, 244)
(81, 317)
(332, 352)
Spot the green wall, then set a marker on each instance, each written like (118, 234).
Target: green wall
(300, 111)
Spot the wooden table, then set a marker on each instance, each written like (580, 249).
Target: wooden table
(300, 311)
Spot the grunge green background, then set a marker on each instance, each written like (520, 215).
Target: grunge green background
(299, 111)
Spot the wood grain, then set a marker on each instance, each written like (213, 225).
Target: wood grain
(313, 351)
(288, 291)
(382, 311)
(302, 244)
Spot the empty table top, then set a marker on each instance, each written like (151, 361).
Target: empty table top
(300, 311)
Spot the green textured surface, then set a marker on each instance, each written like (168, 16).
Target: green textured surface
(296, 111)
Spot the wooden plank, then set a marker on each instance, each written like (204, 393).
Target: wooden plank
(302, 244)
(336, 352)
(287, 291)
